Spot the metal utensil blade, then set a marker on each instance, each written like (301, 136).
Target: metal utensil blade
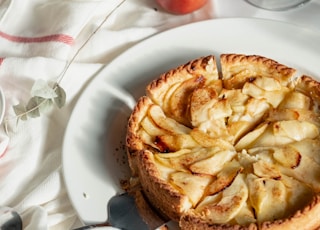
(123, 213)
(9, 219)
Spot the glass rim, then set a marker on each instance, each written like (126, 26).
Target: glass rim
(275, 6)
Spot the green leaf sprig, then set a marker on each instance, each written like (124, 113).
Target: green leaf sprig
(44, 95)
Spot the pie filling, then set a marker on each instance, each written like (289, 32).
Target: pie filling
(239, 147)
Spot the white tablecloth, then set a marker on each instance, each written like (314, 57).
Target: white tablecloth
(37, 39)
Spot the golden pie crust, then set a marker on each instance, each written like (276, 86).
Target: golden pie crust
(234, 145)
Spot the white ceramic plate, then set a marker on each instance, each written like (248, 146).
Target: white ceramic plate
(93, 151)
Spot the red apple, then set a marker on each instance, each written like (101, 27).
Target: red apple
(181, 6)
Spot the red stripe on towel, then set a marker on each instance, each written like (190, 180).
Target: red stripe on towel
(1, 60)
(50, 38)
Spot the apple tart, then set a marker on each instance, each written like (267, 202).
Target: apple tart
(234, 147)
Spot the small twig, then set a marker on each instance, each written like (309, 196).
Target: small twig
(87, 40)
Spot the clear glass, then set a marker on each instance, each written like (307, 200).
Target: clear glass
(277, 4)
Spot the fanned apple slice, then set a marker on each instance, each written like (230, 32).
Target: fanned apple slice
(249, 139)
(266, 170)
(151, 128)
(276, 203)
(270, 138)
(296, 130)
(214, 164)
(200, 101)
(164, 170)
(146, 138)
(158, 88)
(307, 171)
(175, 142)
(215, 128)
(167, 162)
(255, 109)
(235, 97)
(257, 191)
(273, 97)
(165, 105)
(205, 67)
(168, 124)
(268, 197)
(267, 83)
(288, 156)
(133, 140)
(282, 114)
(232, 200)
(295, 100)
(224, 178)
(221, 109)
(293, 114)
(192, 185)
(184, 159)
(174, 154)
(253, 114)
(178, 102)
(252, 110)
(184, 79)
(239, 128)
(207, 141)
(245, 216)
(208, 112)
(154, 171)
(309, 148)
